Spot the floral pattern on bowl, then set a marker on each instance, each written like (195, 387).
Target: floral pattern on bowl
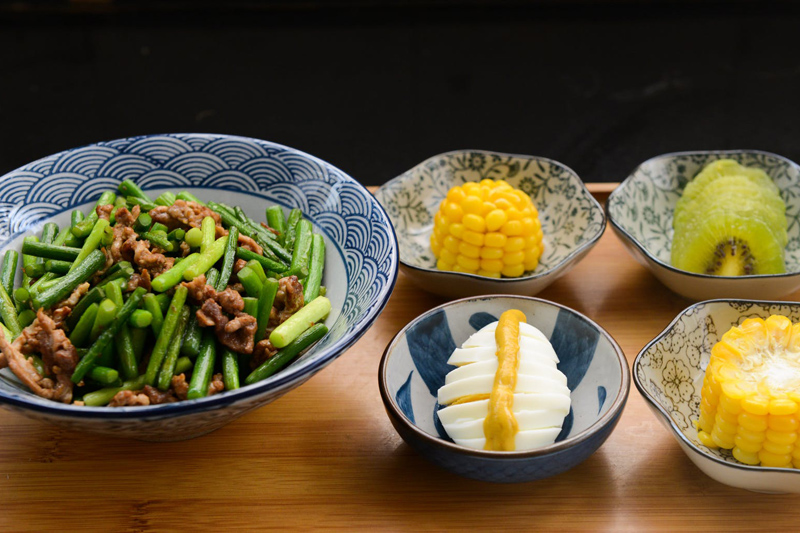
(572, 220)
(640, 211)
(669, 373)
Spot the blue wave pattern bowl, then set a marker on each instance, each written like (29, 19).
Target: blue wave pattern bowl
(640, 211)
(414, 366)
(669, 374)
(360, 269)
(572, 220)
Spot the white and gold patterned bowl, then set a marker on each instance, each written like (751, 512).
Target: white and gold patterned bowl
(640, 211)
(669, 374)
(572, 220)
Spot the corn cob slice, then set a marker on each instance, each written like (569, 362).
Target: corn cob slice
(751, 391)
(487, 228)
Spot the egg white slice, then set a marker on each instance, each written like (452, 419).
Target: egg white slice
(483, 385)
(488, 350)
(465, 412)
(528, 366)
(523, 440)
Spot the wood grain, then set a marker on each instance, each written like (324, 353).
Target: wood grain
(326, 457)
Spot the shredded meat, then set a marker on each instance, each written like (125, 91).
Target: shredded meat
(216, 385)
(238, 265)
(248, 243)
(126, 398)
(263, 351)
(183, 214)
(237, 334)
(270, 228)
(231, 301)
(238, 287)
(198, 289)
(185, 248)
(158, 397)
(290, 292)
(153, 261)
(58, 354)
(104, 211)
(127, 218)
(179, 386)
(121, 248)
(64, 308)
(141, 279)
(126, 247)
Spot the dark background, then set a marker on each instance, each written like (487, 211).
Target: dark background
(376, 87)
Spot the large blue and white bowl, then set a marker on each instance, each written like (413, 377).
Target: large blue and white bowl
(360, 267)
(414, 366)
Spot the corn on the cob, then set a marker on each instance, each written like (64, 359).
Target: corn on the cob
(751, 393)
(487, 228)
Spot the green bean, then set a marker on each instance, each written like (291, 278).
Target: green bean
(194, 237)
(229, 219)
(174, 348)
(194, 332)
(203, 367)
(268, 291)
(208, 228)
(166, 199)
(9, 272)
(266, 263)
(143, 221)
(152, 305)
(277, 221)
(250, 281)
(230, 369)
(81, 333)
(256, 267)
(145, 205)
(183, 365)
(164, 300)
(123, 341)
(174, 275)
(84, 227)
(287, 353)
(159, 239)
(101, 397)
(186, 196)
(228, 259)
(91, 243)
(311, 290)
(177, 234)
(140, 318)
(129, 188)
(103, 375)
(158, 226)
(26, 318)
(207, 259)
(122, 270)
(64, 236)
(65, 285)
(313, 312)
(106, 313)
(57, 267)
(9, 312)
(7, 334)
(251, 306)
(49, 232)
(138, 338)
(95, 295)
(119, 203)
(49, 251)
(106, 337)
(76, 217)
(302, 249)
(22, 295)
(295, 215)
(165, 337)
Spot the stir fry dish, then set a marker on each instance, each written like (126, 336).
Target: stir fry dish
(145, 302)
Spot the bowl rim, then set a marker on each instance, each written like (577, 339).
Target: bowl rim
(615, 409)
(276, 383)
(569, 258)
(658, 262)
(654, 404)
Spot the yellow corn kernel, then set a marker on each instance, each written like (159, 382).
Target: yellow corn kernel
(488, 252)
(436, 246)
(783, 423)
(456, 230)
(746, 445)
(468, 263)
(472, 204)
(513, 258)
(757, 405)
(724, 425)
(748, 458)
(474, 222)
(441, 264)
(780, 437)
(512, 228)
(514, 244)
(451, 243)
(492, 265)
(774, 460)
(495, 240)
(780, 330)
(782, 406)
(459, 268)
(503, 204)
(456, 195)
(513, 271)
(453, 212)
(495, 219)
(489, 274)
(473, 237)
(777, 449)
(448, 257)
(706, 440)
(468, 250)
(751, 422)
(487, 208)
(528, 227)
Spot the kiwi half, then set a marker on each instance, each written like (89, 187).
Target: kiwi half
(730, 221)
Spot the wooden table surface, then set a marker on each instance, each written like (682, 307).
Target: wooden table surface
(326, 457)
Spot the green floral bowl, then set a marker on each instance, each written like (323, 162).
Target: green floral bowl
(640, 211)
(572, 220)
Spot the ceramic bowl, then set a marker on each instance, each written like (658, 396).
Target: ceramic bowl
(640, 211)
(669, 374)
(414, 366)
(572, 220)
(360, 269)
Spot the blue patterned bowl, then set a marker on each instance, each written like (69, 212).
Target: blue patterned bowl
(572, 220)
(414, 366)
(360, 269)
(640, 211)
(669, 373)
